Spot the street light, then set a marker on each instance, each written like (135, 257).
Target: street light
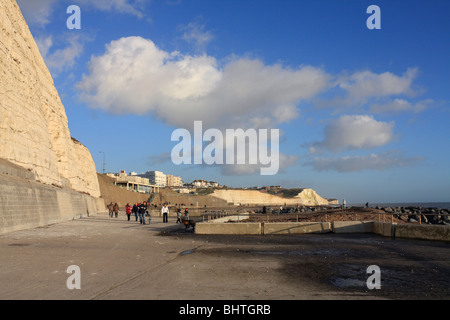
(103, 166)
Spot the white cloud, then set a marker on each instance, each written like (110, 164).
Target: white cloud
(355, 91)
(365, 84)
(36, 12)
(354, 132)
(285, 113)
(61, 59)
(383, 161)
(285, 162)
(401, 105)
(195, 33)
(135, 76)
(44, 45)
(121, 6)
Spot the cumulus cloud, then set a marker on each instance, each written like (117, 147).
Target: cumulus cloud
(383, 161)
(62, 58)
(401, 105)
(121, 6)
(362, 88)
(44, 44)
(354, 132)
(37, 12)
(195, 33)
(365, 84)
(135, 76)
(285, 161)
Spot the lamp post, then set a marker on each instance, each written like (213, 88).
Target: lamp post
(103, 165)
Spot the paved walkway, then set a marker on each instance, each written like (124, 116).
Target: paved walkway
(121, 259)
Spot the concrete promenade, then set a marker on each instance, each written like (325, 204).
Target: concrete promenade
(125, 260)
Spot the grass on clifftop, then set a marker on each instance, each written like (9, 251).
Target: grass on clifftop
(205, 191)
(286, 193)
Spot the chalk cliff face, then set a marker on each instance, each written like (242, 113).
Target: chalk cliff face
(34, 131)
(307, 197)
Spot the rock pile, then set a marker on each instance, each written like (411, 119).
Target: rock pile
(419, 214)
(299, 209)
(410, 214)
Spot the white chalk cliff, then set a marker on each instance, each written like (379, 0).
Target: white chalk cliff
(34, 130)
(307, 197)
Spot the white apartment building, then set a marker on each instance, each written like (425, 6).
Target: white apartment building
(199, 183)
(134, 182)
(173, 181)
(204, 184)
(157, 178)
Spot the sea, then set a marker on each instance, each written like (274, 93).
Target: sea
(440, 205)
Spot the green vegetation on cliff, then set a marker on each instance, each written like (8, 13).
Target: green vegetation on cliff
(286, 193)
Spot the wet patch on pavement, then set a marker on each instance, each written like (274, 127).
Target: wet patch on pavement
(409, 269)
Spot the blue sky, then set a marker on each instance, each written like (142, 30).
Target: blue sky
(363, 114)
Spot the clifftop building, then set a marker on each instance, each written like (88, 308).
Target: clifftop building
(204, 184)
(157, 178)
(173, 181)
(161, 179)
(134, 182)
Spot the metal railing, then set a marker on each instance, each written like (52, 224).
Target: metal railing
(327, 216)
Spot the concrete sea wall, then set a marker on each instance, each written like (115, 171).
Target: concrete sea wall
(26, 204)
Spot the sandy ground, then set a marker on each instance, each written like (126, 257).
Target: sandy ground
(123, 260)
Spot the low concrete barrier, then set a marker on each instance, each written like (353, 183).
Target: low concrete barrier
(422, 231)
(352, 226)
(228, 228)
(296, 227)
(386, 229)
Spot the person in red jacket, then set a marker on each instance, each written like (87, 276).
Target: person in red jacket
(128, 211)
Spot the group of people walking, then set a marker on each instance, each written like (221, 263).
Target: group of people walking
(165, 213)
(140, 210)
(186, 215)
